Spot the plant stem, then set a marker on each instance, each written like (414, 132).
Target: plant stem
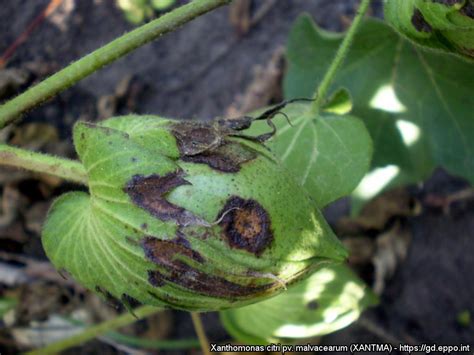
(320, 93)
(43, 163)
(96, 330)
(103, 56)
(199, 328)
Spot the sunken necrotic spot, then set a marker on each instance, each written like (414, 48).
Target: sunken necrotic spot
(171, 256)
(227, 158)
(419, 22)
(148, 192)
(246, 225)
(312, 305)
(166, 252)
(204, 284)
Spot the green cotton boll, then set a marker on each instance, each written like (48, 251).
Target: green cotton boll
(184, 214)
(444, 25)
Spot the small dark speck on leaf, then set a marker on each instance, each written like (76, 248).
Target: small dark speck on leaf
(132, 241)
(312, 305)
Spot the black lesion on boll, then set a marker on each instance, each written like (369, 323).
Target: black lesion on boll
(420, 23)
(148, 192)
(204, 284)
(246, 225)
(227, 158)
(173, 257)
(165, 252)
(312, 305)
(155, 278)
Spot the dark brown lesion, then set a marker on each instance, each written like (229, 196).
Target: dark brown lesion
(227, 158)
(166, 252)
(173, 258)
(148, 192)
(312, 305)
(205, 284)
(419, 22)
(246, 225)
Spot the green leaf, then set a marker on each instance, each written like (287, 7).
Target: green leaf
(434, 93)
(331, 299)
(340, 102)
(328, 154)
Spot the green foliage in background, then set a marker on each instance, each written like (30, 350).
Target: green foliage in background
(328, 153)
(416, 104)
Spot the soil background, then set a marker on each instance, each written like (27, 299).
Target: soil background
(198, 72)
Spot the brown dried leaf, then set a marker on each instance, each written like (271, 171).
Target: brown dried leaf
(392, 247)
(11, 202)
(445, 202)
(377, 214)
(265, 86)
(361, 249)
(239, 16)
